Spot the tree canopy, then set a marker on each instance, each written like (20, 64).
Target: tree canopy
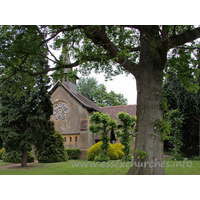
(99, 47)
(97, 93)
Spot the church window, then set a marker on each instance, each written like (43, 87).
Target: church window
(60, 111)
(76, 139)
(70, 139)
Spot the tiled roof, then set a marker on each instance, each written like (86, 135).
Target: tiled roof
(84, 124)
(114, 110)
(88, 102)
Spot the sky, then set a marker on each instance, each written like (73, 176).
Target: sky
(123, 84)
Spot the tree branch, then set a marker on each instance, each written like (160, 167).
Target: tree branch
(135, 49)
(183, 38)
(100, 38)
(59, 31)
(62, 66)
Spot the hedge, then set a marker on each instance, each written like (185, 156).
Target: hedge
(73, 153)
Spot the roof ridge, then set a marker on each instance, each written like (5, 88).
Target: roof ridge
(119, 106)
(88, 99)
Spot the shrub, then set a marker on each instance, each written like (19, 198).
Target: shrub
(73, 153)
(112, 153)
(1, 152)
(120, 149)
(53, 149)
(119, 146)
(101, 158)
(95, 150)
(16, 156)
(196, 157)
(120, 153)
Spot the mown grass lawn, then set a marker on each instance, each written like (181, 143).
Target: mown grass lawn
(84, 167)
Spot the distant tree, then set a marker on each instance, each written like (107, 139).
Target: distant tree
(97, 93)
(87, 86)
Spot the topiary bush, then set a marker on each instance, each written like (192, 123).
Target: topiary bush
(95, 151)
(16, 156)
(1, 152)
(53, 149)
(73, 153)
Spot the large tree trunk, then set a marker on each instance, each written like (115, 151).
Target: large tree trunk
(24, 158)
(149, 111)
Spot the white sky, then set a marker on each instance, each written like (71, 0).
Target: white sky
(123, 84)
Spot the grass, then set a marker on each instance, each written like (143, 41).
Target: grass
(191, 167)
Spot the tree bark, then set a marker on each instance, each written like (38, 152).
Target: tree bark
(149, 111)
(24, 158)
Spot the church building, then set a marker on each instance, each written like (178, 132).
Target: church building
(70, 116)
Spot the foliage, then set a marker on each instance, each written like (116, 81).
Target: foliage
(140, 153)
(73, 153)
(92, 48)
(164, 127)
(16, 156)
(188, 104)
(176, 121)
(101, 158)
(120, 149)
(53, 149)
(196, 157)
(1, 143)
(125, 134)
(97, 93)
(112, 153)
(102, 123)
(95, 151)
(87, 86)
(119, 146)
(1, 152)
(25, 121)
